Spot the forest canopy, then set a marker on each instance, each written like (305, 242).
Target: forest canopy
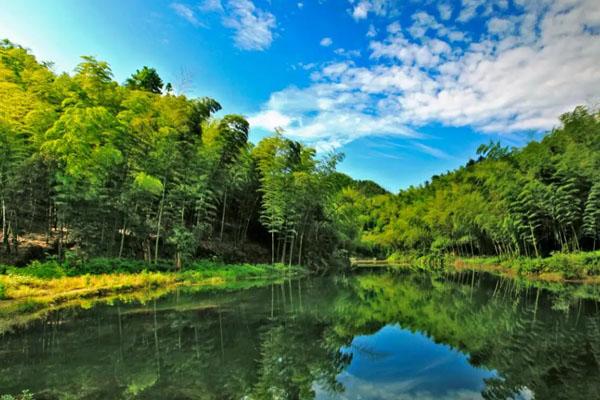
(133, 170)
(529, 201)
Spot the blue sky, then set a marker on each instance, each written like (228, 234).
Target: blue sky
(406, 89)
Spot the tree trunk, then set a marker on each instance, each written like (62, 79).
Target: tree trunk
(122, 237)
(283, 250)
(160, 213)
(223, 215)
(245, 230)
(178, 260)
(272, 247)
(575, 237)
(537, 254)
(15, 234)
(60, 241)
(300, 249)
(4, 230)
(291, 251)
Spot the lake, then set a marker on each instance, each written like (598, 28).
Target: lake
(366, 336)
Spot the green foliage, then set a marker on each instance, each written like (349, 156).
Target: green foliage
(46, 270)
(577, 265)
(121, 171)
(198, 269)
(508, 203)
(2, 291)
(147, 183)
(102, 265)
(145, 79)
(25, 395)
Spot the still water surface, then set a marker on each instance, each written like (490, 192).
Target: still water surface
(369, 336)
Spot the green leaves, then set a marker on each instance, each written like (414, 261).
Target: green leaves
(145, 79)
(148, 184)
(83, 141)
(591, 216)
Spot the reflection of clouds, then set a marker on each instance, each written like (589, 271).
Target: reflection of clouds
(368, 352)
(437, 363)
(395, 363)
(524, 394)
(357, 388)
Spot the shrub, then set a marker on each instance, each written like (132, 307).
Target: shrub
(25, 395)
(98, 266)
(46, 270)
(2, 291)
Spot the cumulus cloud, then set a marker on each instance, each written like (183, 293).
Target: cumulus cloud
(253, 27)
(472, 8)
(394, 27)
(347, 53)
(372, 32)
(499, 25)
(519, 77)
(362, 8)
(326, 42)
(424, 23)
(445, 11)
(270, 120)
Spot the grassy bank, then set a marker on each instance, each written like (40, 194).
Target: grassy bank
(30, 292)
(567, 267)
(576, 267)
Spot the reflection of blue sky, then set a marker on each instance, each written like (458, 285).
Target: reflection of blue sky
(397, 364)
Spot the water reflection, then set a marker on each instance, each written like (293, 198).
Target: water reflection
(395, 363)
(371, 336)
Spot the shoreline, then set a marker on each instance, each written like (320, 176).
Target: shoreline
(575, 268)
(26, 298)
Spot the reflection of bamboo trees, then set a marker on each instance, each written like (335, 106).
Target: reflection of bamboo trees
(255, 344)
(536, 340)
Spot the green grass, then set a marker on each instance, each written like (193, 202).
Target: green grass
(576, 266)
(579, 265)
(569, 265)
(50, 280)
(41, 287)
(52, 269)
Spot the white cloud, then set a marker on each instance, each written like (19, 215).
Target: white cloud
(270, 120)
(326, 42)
(211, 5)
(402, 49)
(394, 27)
(544, 63)
(445, 11)
(185, 12)
(372, 32)
(424, 23)
(472, 8)
(432, 151)
(362, 8)
(499, 25)
(253, 27)
(347, 53)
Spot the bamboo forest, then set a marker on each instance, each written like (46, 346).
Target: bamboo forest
(407, 208)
